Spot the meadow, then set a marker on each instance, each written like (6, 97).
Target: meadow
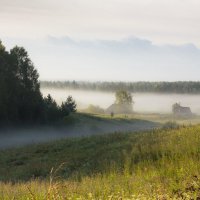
(163, 163)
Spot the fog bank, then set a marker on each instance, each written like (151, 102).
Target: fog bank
(144, 102)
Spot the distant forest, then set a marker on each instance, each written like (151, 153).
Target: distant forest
(152, 87)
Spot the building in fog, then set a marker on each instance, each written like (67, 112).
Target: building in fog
(119, 109)
(179, 110)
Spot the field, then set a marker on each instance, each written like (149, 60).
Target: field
(154, 164)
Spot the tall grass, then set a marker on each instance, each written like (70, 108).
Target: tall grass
(159, 164)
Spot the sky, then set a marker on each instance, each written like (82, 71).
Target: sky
(106, 40)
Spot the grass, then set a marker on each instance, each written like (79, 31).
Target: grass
(153, 117)
(157, 164)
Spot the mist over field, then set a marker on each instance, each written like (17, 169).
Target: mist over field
(22, 136)
(143, 102)
(99, 99)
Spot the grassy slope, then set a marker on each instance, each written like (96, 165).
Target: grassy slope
(75, 125)
(150, 164)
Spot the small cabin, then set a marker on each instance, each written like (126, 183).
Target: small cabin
(119, 109)
(180, 110)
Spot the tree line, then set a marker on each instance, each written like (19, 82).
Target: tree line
(20, 96)
(182, 87)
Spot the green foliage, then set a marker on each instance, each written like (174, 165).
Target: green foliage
(69, 106)
(123, 97)
(51, 109)
(53, 112)
(94, 109)
(20, 97)
(30, 98)
(123, 103)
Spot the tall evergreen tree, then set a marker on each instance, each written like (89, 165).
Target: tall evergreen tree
(69, 106)
(8, 86)
(20, 96)
(30, 98)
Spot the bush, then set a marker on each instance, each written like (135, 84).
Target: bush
(94, 109)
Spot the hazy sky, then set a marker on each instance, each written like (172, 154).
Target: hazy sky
(106, 39)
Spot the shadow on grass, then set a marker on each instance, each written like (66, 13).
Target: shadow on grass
(76, 125)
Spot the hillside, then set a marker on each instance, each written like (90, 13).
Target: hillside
(75, 125)
(160, 164)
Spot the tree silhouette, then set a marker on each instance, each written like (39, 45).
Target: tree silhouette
(30, 98)
(20, 96)
(69, 106)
